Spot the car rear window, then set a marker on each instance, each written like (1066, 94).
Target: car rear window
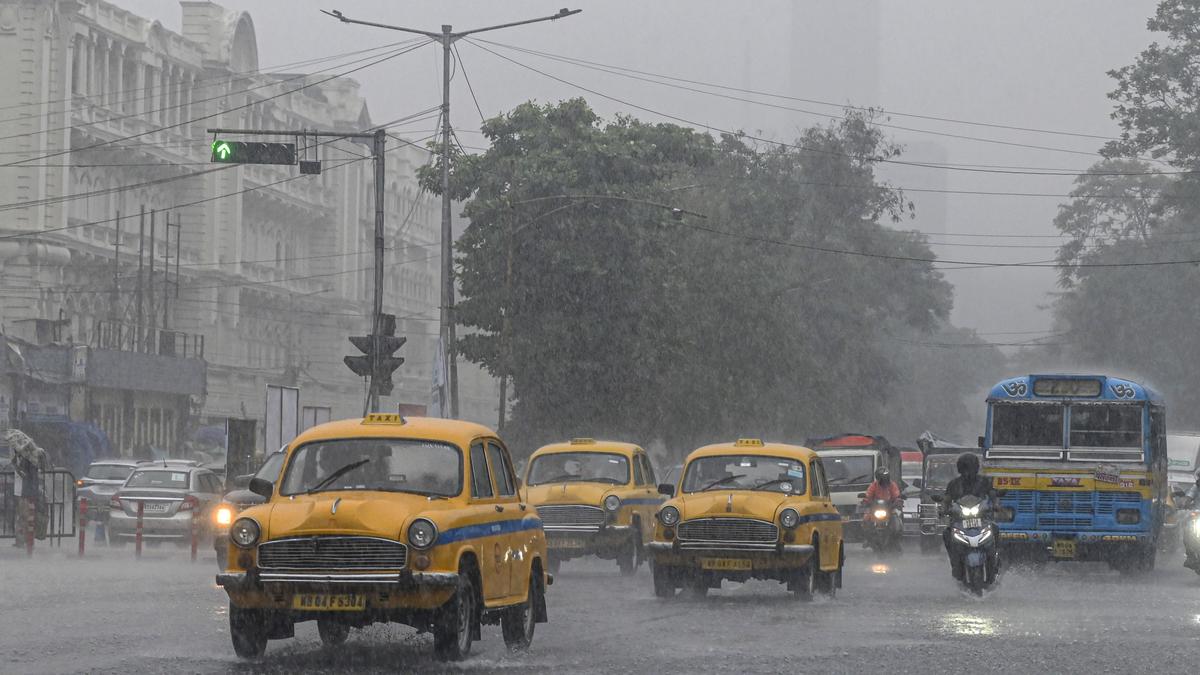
(159, 478)
(109, 471)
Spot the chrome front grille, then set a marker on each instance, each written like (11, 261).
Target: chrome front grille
(331, 553)
(701, 532)
(571, 518)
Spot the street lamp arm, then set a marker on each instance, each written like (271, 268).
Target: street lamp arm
(562, 14)
(675, 210)
(345, 19)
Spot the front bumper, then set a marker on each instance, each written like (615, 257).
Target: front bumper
(776, 556)
(257, 580)
(178, 526)
(573, 542)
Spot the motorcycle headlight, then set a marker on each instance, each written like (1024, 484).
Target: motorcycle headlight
(669, 516)
(970, 511)
(959, 536)
(789, 518)
(224, 515)
(244, 533)
(422, 533)
(985, 535)
(612, 502)
(880, 514)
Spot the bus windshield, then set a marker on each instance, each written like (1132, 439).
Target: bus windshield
(1109, 425)
(1028, 424)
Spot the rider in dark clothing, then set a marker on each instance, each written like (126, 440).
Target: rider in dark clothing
(969, 482)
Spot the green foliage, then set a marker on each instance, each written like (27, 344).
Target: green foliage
(614, 318)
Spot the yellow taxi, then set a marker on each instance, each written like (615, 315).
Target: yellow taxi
(748, 510)
(388, 519)
(594, 498)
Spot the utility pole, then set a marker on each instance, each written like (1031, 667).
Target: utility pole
(282, 153)
(141, 262)
(116, 293)
(447, 37)
(150, 280)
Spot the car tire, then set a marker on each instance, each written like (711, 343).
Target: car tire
(664, 581)
(454, 629)
(248, 630)
(627, 556)
(333, 633)
(517, 623)
(803, 582)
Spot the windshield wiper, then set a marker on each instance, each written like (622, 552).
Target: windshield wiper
(776, 481)
(336, 475)
(850, 480)
(719, 481)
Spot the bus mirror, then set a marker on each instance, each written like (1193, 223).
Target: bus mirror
(980, 442)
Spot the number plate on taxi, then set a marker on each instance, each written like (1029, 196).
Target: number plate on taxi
(329, 602)
(726, 564)
(1064, 548)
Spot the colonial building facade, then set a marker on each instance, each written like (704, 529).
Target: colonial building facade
(120, 240)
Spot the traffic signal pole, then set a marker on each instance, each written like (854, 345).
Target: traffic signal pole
(447, 37)
(378, 149)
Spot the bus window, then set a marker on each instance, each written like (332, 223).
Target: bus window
(1034, 425)
(1106, 426)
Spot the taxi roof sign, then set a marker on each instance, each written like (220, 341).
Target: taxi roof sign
(383, 418)
(583, 441)
(748, 443)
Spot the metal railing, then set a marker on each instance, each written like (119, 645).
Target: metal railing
(55, 507)
(126, 337)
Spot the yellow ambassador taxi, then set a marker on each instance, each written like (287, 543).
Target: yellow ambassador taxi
(748, 510)
(388, 519)
(594, 498)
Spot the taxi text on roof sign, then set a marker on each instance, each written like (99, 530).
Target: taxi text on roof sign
(582, 441)
(383, 418)
(748, 443)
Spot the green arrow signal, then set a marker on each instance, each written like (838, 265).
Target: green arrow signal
(221, 149)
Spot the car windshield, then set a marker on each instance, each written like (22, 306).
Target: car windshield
(1028, 425)
(745, 472)
(580, 467)
(942, 470)
(269, 471)
(847, 472)
(378, 464)
(158, 478)
(109, 471)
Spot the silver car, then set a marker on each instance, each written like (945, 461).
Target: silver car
(100, 483)
(171, 495)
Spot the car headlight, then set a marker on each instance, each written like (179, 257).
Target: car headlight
(245, 532)
(612, 502)
(422, 533)
(224, 515)
(789, 518)
(880, 514)
(669, 516)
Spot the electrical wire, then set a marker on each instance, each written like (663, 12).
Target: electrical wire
(467, 78)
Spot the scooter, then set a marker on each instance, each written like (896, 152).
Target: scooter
(879, 526)
(973, 534)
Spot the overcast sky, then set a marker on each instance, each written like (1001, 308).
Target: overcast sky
(1025, 63)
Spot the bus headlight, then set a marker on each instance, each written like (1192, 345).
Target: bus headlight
(1129, 516)
(244, 532)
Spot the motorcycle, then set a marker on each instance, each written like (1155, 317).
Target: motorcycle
(880, 526)
(973, 533)
(1189, 529)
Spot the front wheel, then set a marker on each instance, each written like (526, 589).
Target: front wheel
(248, 629)
(518, 622)
(803, 583)
(664, 582)
(453, 630)
(333, 633)
(627, 557)
(975, 577)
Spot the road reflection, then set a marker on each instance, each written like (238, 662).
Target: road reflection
(968, 624)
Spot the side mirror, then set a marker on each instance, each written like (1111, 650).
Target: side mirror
(862, 495)
(918, 483)
(980, 442)
(936, 498)
(241, 481)
(261, 487)
(666, 489)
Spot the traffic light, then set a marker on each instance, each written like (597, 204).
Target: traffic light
(238, 152)
(378, 361)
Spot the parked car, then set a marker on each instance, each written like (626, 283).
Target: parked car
(240, 498)
(171, 494)
(100, 482)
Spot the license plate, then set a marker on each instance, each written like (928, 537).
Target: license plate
(155, 507)
(569, 542)
(327, 602)
(970, 523)
(1064, 548)
(726, 564)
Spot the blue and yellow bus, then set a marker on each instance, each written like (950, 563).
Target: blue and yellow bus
(1081, 462)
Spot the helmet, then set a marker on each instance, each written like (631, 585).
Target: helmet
(968, 464)
(882, 474)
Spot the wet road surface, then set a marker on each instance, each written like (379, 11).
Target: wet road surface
(110, 614)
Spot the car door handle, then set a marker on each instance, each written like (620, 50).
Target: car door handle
(499, 509)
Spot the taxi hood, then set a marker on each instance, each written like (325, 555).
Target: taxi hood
(349, 512)
(758, 504)
(568, 493)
